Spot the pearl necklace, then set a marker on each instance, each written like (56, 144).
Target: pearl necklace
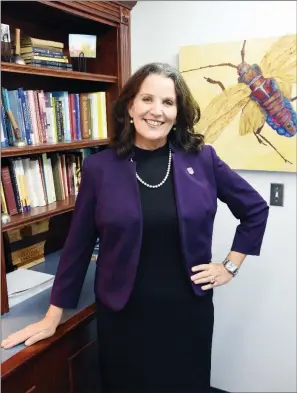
(163, 181)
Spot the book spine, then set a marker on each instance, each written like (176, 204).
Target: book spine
(44, 51)
(58, 119)
(25, 116)
(30, 119)
(4, 138)
(49, 63)
(41, 106)
(84, 116)
(77, 116)
(33, 115)
(38, 118)
(15, 186)
(8, 191)
(66, 116)
(49, 55)
(50, 66)
(3, 201)
(42, 58)
(6, 105)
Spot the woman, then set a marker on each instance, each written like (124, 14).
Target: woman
(151, 197)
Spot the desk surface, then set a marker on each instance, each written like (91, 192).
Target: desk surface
(34, 309)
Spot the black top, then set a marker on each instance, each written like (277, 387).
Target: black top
(161, 271)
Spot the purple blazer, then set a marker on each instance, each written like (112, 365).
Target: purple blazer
(108, 206)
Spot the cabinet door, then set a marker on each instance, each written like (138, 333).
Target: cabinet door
(47, 373)
(84, 369)
(20, 382)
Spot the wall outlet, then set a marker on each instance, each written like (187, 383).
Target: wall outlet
(276, 194)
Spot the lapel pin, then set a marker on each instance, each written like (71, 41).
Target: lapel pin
(190, 171)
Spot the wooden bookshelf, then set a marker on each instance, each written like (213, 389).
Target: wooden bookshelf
(55, 20)
(31, 70)
(40, 213)
(45, 148)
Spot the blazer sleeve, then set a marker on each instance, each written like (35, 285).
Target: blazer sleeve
(245, 203)
(79, 245)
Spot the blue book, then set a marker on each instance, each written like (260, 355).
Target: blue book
(25, 115)
(77, 116)
(4, 138)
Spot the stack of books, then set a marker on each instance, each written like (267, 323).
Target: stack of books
(44, 53)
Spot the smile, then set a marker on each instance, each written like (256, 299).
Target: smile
(154, 123)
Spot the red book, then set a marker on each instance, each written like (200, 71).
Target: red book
(8, 191)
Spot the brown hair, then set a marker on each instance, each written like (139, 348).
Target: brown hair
(188, 112)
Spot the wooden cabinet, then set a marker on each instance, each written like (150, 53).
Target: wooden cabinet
(65, 363)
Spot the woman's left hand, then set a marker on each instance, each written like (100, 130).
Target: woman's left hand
(212, 274)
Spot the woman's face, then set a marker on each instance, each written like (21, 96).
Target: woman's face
(154, 111)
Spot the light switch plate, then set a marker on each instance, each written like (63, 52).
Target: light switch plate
(276, 194)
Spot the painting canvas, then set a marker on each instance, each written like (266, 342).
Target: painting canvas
(247, 94)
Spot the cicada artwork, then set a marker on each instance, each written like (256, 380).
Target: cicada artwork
(261, 96)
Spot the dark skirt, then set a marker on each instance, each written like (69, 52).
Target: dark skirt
(156, 346)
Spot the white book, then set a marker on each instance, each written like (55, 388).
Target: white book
(37, 182)
(30, 183)
(50, 120)
(51, 181)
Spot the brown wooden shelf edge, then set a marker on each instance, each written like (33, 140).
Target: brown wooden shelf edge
(28, 353)
(47, 148)
(40, 213)
(129, 4)
(26, 69)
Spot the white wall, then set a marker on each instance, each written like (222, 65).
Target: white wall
(254, 347)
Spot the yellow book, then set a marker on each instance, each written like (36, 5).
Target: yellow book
(38, 42)
(22, 184)
(58, 60)
(102, 118)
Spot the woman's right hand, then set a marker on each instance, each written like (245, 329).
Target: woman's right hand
(34, 332)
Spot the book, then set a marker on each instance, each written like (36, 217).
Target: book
(31, 41)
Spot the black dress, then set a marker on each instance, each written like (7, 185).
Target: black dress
(161, 341)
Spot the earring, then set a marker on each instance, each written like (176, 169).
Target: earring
(131, 121)
(174, 128)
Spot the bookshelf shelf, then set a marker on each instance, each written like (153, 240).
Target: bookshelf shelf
(44, 148)
(32, 70)
(40, 213)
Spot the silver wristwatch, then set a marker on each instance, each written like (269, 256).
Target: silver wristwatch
(233, 269)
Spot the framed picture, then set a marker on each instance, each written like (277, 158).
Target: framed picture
(82, 43)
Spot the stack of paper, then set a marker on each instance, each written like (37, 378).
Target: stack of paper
(24, 283)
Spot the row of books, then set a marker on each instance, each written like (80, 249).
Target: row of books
(39, 180)
(52, 117)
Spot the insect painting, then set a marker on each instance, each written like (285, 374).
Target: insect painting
(262, 96)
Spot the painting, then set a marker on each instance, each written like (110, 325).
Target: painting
(247, 94)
